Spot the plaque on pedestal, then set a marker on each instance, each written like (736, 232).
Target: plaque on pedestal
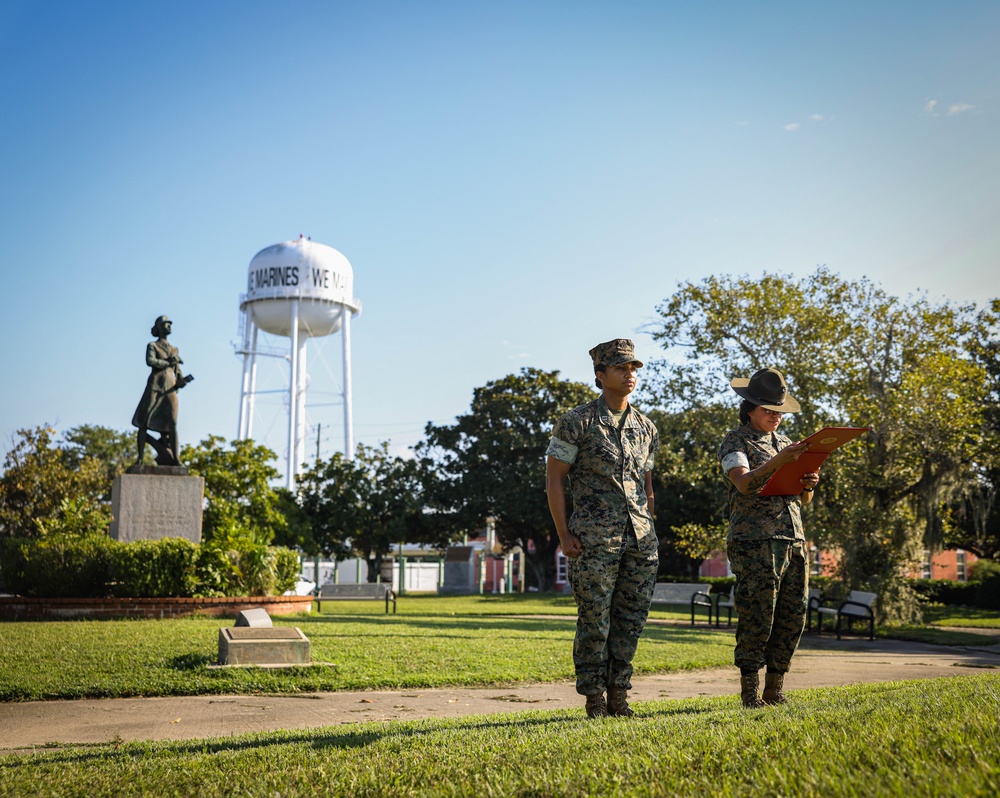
(153, 502)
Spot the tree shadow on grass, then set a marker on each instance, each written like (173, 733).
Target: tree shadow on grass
(396, 626)
(190, 662)
(355, 736)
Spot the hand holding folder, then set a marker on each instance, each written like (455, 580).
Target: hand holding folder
(786, 481)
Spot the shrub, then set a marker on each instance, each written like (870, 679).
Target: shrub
(988, 593)
(286, 568)
(154, 568)
(66, 567)
(981, 570)
(238, 562)
(945, 591)
(96, 567)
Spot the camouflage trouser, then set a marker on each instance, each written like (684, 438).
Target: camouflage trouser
(613, 589)
(771, 599)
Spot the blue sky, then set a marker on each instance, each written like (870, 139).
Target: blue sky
(513, 182)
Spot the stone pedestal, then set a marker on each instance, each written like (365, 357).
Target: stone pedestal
(277, 645)
(157, 503)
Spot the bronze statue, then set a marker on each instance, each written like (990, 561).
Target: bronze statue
(157, 410)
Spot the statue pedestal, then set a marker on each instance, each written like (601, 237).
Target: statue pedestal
(157, 502)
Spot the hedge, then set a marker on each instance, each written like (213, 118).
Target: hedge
(95, 566)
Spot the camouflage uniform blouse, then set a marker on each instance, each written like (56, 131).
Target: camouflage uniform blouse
(607, 475)
(755, 517)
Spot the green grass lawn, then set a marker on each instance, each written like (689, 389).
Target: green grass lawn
(484, 604)
(943, 615)
(950, 626)
(499, 604)
(919, 739)
(431, 642)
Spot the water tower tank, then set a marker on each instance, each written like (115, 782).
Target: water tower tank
(317, 275)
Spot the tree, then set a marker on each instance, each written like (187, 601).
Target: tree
(42, 495)
(114, 449)
(688, 486)
(363, 506)
(298, 534)
(852, 355)
(238, 493)
(491, 463)
(974, 520)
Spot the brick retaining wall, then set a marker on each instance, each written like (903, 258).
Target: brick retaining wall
(17, 608)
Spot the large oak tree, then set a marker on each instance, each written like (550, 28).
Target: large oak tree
(491, 463)
(912, 370)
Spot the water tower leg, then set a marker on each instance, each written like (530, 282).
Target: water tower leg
(300, 409)
(251, 398)
(348, 402)
(245, 387)
(245, 424)
(293, 384)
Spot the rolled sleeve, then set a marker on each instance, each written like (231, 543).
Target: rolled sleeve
(734, 460)
(562, 450)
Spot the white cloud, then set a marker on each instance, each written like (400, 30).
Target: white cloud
(816, 117)
(929, 107)
(792, 127)
(959, 108)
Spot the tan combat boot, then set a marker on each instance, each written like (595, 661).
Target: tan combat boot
(749, 685)
(596, 707)
(618, 703)
(772, 689)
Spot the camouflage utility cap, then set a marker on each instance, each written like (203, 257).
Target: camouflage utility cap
(615, 353)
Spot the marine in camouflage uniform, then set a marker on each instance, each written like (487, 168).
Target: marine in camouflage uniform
(606, 448)
(765, 542)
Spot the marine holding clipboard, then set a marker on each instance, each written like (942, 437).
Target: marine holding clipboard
(765, 542)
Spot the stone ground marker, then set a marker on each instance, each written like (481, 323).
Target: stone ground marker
(256, 641)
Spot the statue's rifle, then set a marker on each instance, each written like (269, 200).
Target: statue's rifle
(180, 384)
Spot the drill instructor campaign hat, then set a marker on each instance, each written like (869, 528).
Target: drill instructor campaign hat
(615, 353)
(767, 389)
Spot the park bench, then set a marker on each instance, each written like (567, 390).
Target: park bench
(357, 592)
(812, 608)
(857, 607)
(693, 595)
(727, 603)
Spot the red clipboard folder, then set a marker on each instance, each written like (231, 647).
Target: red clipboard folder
(786, 480)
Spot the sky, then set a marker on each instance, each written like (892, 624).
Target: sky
(512, 183)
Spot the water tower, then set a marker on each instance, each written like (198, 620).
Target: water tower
(299, 290)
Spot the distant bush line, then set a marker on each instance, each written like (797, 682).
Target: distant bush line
(95, 566)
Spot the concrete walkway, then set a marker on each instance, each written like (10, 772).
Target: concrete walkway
(820, 662)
